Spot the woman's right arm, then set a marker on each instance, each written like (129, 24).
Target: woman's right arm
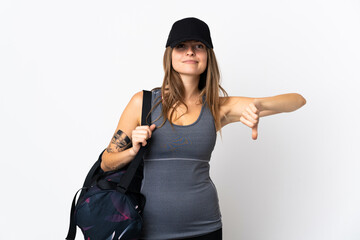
(129, 130)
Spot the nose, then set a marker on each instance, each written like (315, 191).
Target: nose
(190, 51)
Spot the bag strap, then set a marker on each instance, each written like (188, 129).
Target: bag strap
(128, 176)
(126, 179)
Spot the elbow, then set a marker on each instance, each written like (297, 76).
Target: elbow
(303, 100)
(104, 167)
(104, 164)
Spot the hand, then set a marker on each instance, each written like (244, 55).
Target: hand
(139, 136)
(250, 117)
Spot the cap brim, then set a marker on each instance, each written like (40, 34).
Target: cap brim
(176, 42)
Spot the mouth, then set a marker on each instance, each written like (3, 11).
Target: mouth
(190, 61)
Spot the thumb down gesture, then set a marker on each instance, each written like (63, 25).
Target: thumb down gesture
(250, 117)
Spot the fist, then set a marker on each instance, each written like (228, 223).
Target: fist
(139, 136)
(250, 117)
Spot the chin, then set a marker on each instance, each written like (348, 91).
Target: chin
(190, 73)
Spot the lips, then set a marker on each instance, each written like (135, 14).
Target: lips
(190, 61)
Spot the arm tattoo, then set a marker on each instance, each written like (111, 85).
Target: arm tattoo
(121, 142)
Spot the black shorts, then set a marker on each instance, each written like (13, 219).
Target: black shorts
(217, 235)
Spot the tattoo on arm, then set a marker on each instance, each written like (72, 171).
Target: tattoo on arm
(119, 142)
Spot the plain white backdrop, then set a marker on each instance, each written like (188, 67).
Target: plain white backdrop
(68, 69)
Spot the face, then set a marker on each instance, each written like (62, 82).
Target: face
(189, 58)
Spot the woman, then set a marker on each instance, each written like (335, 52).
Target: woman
(187, 113)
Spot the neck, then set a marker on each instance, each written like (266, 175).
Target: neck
(191, 84)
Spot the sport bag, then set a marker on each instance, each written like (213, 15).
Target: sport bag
(110, 203)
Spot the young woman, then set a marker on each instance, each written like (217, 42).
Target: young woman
(187, 113)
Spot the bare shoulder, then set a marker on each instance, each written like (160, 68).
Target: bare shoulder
(137, 99)
(134, 106)
(131, 116)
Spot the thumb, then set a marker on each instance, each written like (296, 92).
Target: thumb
(255, 132)
(152, 127)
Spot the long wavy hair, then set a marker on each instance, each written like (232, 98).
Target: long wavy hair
(173, 90)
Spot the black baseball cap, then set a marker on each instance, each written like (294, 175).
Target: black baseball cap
(189, 29)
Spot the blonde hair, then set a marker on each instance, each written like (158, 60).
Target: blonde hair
(173, 90)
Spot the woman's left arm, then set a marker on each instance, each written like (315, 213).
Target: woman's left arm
(249, 110)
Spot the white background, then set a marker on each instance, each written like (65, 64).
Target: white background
(68, 69)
